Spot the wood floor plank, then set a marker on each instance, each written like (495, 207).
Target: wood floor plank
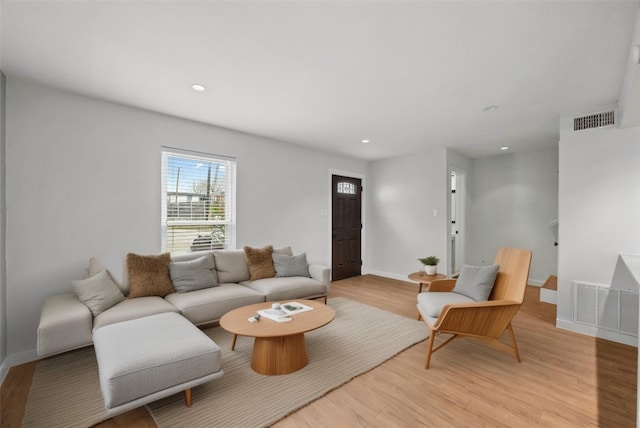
(13, 394)
(564, 380)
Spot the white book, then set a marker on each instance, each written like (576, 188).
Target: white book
(286, 310)
(295, 308)
(274, 314)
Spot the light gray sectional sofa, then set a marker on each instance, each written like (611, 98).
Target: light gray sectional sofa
(66, 323)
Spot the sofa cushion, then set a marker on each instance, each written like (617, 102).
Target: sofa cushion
(476, 282)
(290, 265)
(260, 262)
(98, 292)
(130, 309)
(185, 257)
(289, 288)
(231, 266)
(192, 275)
(149, 275)
(284, 250)
(430, 304)
(65, 324)
(209, 304)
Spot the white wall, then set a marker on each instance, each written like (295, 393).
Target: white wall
(599, 209)
(511, 200)
(83, 179)
(403, 194)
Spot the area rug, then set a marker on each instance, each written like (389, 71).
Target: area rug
(65, 390)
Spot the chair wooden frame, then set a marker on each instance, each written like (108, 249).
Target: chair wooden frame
(484, 320)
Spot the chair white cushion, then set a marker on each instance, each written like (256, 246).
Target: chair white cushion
(430, 304)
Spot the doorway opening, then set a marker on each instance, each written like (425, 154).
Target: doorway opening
(456, 224)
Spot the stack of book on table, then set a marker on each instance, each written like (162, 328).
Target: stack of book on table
(284, 313)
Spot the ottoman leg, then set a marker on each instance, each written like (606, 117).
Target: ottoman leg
(187, 397)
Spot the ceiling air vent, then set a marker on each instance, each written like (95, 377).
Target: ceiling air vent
(596, 120)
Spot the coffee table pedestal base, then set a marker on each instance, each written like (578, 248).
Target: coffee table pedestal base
(279, 355)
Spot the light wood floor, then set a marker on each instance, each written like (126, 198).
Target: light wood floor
(564, 380)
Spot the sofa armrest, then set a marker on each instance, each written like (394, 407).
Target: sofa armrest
(65, 324)
(320, 273)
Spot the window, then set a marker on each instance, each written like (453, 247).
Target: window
(198, 201)
(348, 188)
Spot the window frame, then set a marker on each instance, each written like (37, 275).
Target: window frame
(230, 184)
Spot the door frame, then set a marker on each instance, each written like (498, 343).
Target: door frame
(460, 220)
(363, 214)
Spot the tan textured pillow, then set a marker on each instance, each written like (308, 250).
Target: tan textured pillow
(149, 275)
(260, 262)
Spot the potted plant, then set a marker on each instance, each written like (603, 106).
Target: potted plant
(430, 264)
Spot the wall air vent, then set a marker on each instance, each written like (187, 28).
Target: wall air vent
(596, 120)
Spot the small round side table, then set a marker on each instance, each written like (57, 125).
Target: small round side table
(423, 279)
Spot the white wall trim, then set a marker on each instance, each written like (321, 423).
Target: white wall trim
(15, 360)
(549, 296)
(404, 278)
(596, 332)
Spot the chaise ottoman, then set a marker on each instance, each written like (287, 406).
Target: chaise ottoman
(145, 359)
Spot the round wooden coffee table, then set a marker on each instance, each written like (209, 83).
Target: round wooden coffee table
(279, 347)
(423, 279)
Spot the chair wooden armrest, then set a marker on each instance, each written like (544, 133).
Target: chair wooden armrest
(487, 319)
(442, 285)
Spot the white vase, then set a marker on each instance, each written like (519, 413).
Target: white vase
(430, 270)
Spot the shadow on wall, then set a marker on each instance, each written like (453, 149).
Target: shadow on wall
(619, 311)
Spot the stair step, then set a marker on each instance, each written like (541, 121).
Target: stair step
(551, 283)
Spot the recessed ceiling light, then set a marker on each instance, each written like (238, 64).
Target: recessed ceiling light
(365, 141)
(198, 87)
(504, 148)
(490, 108)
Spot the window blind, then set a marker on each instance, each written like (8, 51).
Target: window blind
(198, 201)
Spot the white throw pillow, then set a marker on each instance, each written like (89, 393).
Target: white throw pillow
(98, 292)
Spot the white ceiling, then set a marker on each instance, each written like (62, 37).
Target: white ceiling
(408, 75)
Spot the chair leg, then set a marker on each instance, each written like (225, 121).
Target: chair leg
(187, 397)
(432, 335)
(419, 316)
(513, 340)
(233, 344)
